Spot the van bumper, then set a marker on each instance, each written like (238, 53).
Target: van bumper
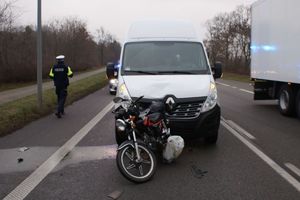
(206, 125)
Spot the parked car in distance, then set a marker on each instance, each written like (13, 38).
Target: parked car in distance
(112, 74)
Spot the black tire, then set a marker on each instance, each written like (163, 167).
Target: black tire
(125, 171)
(212, 139)
(286, 100)
(298, 104)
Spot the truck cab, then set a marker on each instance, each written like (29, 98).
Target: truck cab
(165, 61)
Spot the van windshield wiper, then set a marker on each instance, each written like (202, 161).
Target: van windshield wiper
(176, 72)
(141, 72)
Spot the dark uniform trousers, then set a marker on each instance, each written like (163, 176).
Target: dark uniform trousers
(61, 93)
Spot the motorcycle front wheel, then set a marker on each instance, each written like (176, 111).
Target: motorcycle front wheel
(137, 171)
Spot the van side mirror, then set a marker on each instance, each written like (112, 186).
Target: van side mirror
(217, 70)
(110, 71)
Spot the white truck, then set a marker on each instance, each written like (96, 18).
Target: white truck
(275, 55)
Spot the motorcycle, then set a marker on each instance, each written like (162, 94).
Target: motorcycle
(146, 131)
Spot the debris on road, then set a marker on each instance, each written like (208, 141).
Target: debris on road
(20, 160)
(22, 149)
(198, 173)
(115, 194)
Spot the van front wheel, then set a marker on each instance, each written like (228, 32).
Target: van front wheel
(212, 139)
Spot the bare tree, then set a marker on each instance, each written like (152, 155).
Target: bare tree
(228, 39)
(106, 42)
(68, 36)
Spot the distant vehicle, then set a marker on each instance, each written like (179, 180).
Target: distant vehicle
(275, 62)
(113, 81)
(166, 61)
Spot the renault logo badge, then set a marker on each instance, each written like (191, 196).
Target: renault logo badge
(170, 102)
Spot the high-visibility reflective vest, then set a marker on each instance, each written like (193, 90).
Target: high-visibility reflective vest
(60, 73)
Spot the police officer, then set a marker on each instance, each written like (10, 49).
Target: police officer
(60, 74)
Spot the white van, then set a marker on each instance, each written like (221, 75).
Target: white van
(164, 60)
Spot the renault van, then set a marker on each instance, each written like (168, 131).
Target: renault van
(166, 61)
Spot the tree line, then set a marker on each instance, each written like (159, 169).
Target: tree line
(228, 39)
(68, 36)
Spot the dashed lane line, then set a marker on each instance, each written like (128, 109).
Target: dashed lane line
(293, 168)
(234, 87)
(247, 91)
(223, 84)
(279, 170)
(22, 190)
(240, 130)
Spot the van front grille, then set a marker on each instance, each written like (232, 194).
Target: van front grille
(186, 108)
(189, 110)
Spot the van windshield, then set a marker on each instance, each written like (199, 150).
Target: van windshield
(164, 57)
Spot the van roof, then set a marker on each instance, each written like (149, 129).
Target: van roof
(161, 29)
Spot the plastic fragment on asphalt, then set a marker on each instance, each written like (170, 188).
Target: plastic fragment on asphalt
(115, 194)
(22, 149)
(20, 160)
(198, 173)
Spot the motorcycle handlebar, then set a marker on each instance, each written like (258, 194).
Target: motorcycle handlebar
(138, 99)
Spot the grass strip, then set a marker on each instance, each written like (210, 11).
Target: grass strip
(236, 77)
(10, 86)
(16, 85)
(16, 114)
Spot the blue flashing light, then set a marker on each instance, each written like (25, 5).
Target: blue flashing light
(268, 48)
(256, 48)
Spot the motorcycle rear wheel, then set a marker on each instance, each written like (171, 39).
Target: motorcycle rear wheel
(133, 170)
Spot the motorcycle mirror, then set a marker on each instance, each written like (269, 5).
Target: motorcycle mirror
(117, 100)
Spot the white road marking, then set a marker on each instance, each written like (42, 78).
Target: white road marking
(247, 91)
(293, 168)
(234, 87)
(35, 156)
(223, 84)
(240, 130)
(22, 190)
(283, 173)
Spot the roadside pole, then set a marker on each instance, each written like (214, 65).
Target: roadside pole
(39, 55)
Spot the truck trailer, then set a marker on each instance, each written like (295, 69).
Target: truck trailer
(275, 55)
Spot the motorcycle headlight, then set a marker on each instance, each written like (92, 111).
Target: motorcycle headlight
(211, 100)
(123, 92)
(120, 125)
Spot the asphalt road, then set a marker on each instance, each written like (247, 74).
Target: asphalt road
(14, 94)
(254, 158)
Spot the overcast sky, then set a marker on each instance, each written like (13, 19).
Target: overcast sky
(116, 15)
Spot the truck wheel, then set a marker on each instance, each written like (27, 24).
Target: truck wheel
(212, 139)
(286, 100)
(298, 104)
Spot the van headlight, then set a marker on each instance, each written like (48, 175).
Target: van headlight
(211, 100)
(123, 92)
